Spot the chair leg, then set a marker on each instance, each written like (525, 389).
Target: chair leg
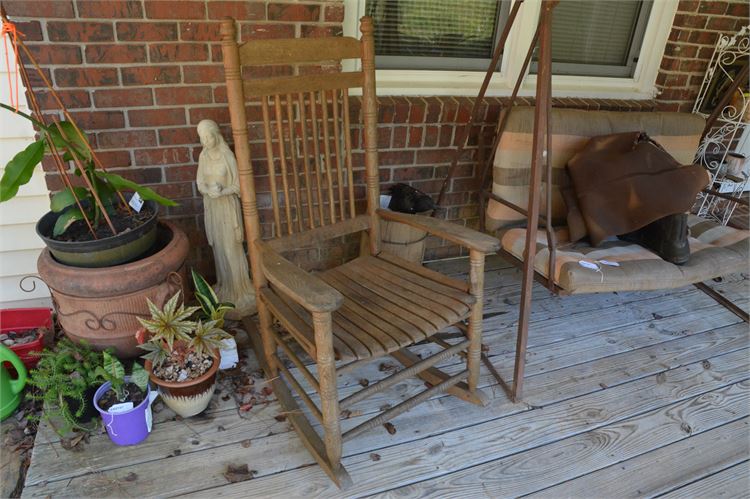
(476, 278)
(322, 325)
(269, 344)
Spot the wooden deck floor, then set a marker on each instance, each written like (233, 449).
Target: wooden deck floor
(627, 394)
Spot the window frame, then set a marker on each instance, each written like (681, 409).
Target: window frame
(466, 83)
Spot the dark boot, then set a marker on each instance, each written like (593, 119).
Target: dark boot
(667, 237)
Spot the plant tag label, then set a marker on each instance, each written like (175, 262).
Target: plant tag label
(120, 408)
(229, 355)
(136, 202)
(607, 262)
(149, 418)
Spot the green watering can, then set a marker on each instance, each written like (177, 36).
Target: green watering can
(10, 389)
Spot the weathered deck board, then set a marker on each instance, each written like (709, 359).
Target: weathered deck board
(732, 483)
(698, 456)
(595, 362)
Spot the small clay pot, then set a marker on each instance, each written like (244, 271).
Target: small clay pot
(102, 305)
(190, 397)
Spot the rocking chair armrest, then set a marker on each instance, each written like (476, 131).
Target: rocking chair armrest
(304, 288)
(469, 238)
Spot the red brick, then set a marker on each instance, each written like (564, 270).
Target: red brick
(413, 173)
(431, 136)
(220, 94)
(175, 9)
(71, 98)
(181, 173)
(670, 64)
(680, 50)
(264, 31)
(432, 110)
(713, 7)
(317, 31)
(198, 31)
(293, 12)
(32, 30)
(690, 21)
(162, 156)
(239, 10)
(334, 14)
(393, 158)
(739, 9)
(689, 66)
(86, 77)
(109, 9)
(183, 95)
(415, 136)
(399, 137)
(116, 53)
(130, 97)
(176, 136)
(175, 190)
(434, 156)
(99, 120)
(156, 117)
(126, 139)
(217, 114)
(114, 159)
(688, 5)
(54, 54)
(150, 75)
(59, 31)
(416, 113)
(203, 74)
(721, 23)
(146, 32)
(174, 52)
(703, 37)
(38, 8)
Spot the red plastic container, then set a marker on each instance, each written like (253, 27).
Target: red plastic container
(26, 319)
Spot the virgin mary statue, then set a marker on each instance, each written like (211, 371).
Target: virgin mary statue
(217, 181)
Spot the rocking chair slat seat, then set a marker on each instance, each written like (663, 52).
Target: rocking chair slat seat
(387, 308)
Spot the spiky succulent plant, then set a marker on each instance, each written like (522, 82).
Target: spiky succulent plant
(207, 338)
(170, 323)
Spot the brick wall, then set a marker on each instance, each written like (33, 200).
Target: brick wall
(695, 31)
(138, 75)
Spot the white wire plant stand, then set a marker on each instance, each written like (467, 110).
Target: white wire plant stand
(731, 128)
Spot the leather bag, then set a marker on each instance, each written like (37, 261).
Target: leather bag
(625, 181)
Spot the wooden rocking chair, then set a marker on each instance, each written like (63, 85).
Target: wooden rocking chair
(370, 307)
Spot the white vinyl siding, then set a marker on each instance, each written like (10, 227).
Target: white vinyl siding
(19, 244)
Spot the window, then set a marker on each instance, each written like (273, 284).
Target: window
(600, 48)
(596, 38)
(436, 34)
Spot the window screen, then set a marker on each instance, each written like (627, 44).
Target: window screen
(436, 34)
(597, 38)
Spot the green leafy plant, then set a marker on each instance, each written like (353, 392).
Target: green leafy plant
(74, 147)
(211, 308)
(113, 371)
(174, 333)
(61, 379)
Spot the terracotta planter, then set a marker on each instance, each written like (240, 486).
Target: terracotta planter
(187, 398)
(101, 305)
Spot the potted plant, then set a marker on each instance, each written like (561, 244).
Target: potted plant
(124, 402)
(98, 285)
(75, 230)
(65, 379)
(183, 355)
(23, 330)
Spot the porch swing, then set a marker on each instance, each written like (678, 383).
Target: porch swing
(534, 177)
